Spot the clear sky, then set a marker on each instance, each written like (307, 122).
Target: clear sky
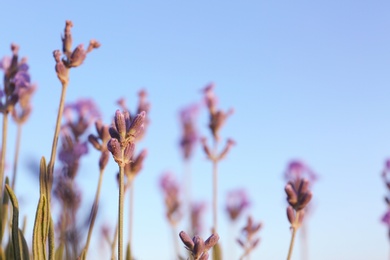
(307, 80)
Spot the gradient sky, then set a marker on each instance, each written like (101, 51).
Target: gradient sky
(307, 80)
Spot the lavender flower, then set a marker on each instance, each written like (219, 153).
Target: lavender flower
(100, 141)
(70, 154)
(79, 116)
(73, 58)
(217, 117)
(297, 170)
(170, 189)
(189, 137)
(197, 246)
(197, 210)
(123, 136)
(247, 241)
(237, 201)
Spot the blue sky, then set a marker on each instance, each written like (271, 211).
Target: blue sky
(306, 80)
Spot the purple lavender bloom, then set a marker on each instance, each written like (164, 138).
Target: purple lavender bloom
(298, 170)
(188, 116)
(237, 202)
(386, 218)
(171, 190)
(72, 153)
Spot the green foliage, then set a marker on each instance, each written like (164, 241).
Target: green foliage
(217, 252)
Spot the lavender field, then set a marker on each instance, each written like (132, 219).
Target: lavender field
(195, 130)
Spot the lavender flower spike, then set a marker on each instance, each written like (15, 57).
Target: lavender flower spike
(198, 248)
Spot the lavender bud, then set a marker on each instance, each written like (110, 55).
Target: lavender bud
(61, 69)
(115, 149)
(120, 124)
(103, 160)
(204, 256)
(255, 243)
(67, 39)
(94, 141)
(240, 242)
(129, 151)
(304, 187)
(114, 133)
(206, 148)
(290, 214)
(229, 144)
(137, 125)
(292, 197)
(199, 246)
(93, 44)
(78, 56)
(211, 241)
(186, 240)
(305, 200)
(127, 116)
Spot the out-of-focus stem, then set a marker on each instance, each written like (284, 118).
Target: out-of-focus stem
(114, 242)
(94, 211)
(50, 167)
(175, 241)
(120, 211)
(16, 156)
(294, 227)
(187, 184)
(131, 207)
(3, 149)
(215, 188)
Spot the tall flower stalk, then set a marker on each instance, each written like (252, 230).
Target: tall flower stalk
(124, 134)
(298, 196)
(217, 120)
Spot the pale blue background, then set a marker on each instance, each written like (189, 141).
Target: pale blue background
(307, 80)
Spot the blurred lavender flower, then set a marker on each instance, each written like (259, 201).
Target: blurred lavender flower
(170, 189)
(135, 165)
(297, 169)
(70, 154)
(79, 116)
(217, 117)
(197, 210)
(188, 116)
(100, 141)
(247, 240)
(237, 201)
(386, 218)
(197, 246)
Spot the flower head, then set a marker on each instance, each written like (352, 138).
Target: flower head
(237, 201)
(188, 116)
(297, 169)
(197, 246)
(170, 189)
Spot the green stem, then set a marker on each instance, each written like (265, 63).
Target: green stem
(16, 156)
(3, 149)
(94, 211)
(175, 242)
(114, 242)
(294, 227)
(131, 210)
(55, 138)
(120, 211)
(215, 188)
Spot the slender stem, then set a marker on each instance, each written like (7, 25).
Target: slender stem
(131, 210)
(175, 241)
(215, 188)
(114, 242)
(94, 211)
(3, 149)
(16, 157)
(304, 246)
(187, 184)
(55, 138)
(120, 211)
(294, 227)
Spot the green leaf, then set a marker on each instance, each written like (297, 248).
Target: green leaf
(217, 252)
(15, 222)
(25, 255)
(4, 213)
(39, 230)
(128, 252)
